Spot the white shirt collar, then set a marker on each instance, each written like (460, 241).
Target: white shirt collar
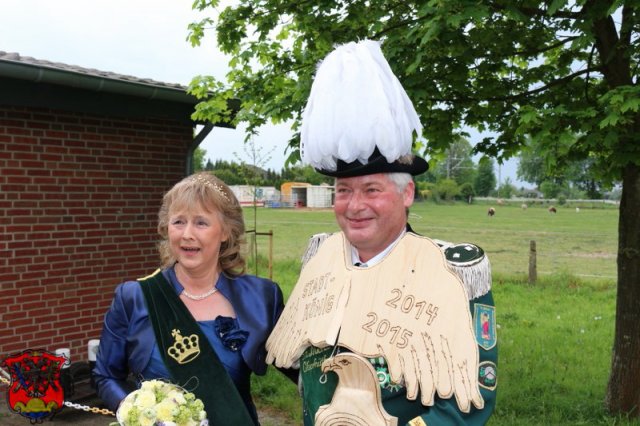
(355, 257)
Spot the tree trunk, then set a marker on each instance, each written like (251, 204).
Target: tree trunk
(623, 391)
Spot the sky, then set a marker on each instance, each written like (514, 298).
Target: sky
(145, 39)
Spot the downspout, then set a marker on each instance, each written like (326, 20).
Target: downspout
(196, 143)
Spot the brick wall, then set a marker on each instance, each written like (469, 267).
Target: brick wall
(79, 196)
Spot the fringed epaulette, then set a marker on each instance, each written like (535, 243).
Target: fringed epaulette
(471, 264)
(312, 247)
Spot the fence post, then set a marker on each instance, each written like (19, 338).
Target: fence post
(533, 268)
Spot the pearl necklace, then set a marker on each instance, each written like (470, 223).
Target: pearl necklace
(199, 296)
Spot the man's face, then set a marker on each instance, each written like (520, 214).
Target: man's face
(371, 212)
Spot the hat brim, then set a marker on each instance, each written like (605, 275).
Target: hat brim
(379, 164)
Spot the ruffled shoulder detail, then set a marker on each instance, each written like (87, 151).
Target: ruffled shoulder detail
(230, 334)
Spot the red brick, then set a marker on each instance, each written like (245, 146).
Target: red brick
(89, 198)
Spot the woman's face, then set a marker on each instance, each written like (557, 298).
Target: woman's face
(195, 236)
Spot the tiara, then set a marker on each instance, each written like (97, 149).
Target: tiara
(204, 181)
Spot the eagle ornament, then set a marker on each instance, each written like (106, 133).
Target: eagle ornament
(356, 380)
(411, 309)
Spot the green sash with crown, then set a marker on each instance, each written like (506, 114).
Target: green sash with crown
(188, 355)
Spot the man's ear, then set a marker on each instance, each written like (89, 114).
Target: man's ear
(409, 193)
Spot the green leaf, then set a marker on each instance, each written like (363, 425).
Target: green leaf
(610, 120)
(631, 104)
(555, 6)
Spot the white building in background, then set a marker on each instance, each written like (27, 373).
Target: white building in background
(292, 194)
(302, 194)
(247, 194)
(320, 196)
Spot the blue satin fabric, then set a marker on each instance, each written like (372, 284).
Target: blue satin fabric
(127, 340)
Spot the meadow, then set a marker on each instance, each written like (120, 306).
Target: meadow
(555, 336)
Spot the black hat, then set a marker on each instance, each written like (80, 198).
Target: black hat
(358, 119)
(377, 163)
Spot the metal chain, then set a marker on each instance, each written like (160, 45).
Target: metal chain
(76, 406)
(91, 409)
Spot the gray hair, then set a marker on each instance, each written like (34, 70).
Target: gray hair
(401, 180)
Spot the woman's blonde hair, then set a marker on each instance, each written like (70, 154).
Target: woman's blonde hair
(207, 191)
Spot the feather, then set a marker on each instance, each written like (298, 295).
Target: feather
(356, 104)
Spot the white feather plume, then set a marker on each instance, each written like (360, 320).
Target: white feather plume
(356, 103)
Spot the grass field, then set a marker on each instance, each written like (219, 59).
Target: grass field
(583, 244)
(554, 337)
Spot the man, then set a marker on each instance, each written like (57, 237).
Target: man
(386, 326)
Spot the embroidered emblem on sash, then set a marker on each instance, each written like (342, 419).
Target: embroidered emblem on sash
(185, 349)
(485, 325)
(382, 372)
(417, 422)
(487, 375)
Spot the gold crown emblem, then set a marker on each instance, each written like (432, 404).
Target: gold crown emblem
(185, 349)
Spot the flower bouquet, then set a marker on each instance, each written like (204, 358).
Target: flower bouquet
(161, 403)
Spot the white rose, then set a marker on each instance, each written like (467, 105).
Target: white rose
(166, 410)
(149, 385)
(177, 396)
(125, 407)
(145, 399)
(146, 421)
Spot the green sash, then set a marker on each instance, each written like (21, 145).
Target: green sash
(187, 354)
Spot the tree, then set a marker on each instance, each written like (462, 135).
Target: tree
(560, 72)
(534, 166)
(306, 174)
(531, 166)
(198, 159)
(485, 181)
(506, 189)
(447, 189)
(253, 175)
(457, 163)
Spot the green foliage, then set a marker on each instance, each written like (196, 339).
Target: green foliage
(537, 166)
(506, 189)
(516, 69)
(424, 190)
(457, 163)
(198, 159)
(447, 189)
(485, 180)
(549, 189)
(466, 191)
(307, 174)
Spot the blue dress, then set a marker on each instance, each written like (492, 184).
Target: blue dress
(127, 342)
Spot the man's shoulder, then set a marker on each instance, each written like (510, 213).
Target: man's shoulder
(471, 264)
(467, 260)
(314, 243)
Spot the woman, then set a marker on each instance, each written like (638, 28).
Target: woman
(199, 322)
